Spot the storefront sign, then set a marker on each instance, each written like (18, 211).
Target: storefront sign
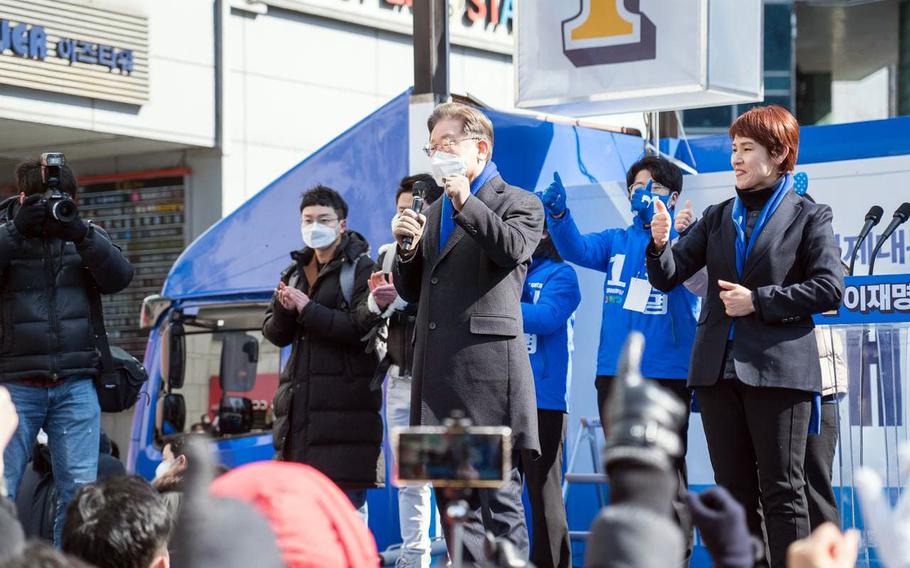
(75, 49)
(31, 42)
(482, 24)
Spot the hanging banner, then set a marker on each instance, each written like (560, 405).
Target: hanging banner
(588, 57)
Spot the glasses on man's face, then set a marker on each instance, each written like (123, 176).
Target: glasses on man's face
(446, 145)
(656, 188)
(321, 220)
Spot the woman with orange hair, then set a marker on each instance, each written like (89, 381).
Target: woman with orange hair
(772, 263)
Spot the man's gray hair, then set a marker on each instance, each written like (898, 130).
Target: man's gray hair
(473, 122)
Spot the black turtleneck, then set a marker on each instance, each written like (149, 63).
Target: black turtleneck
(755, 199)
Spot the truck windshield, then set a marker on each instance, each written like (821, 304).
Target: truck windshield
(230, 377)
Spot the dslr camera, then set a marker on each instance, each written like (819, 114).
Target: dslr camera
(60, 206)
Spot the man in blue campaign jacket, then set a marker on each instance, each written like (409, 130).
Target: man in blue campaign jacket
(667, 321)
(548, 304)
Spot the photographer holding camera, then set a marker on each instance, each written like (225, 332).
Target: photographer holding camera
(52, 264)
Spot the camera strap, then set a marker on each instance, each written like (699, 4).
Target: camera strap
(98, 329)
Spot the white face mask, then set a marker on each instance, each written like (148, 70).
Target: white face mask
(443, 164)
(394, 220)
(163, 468)
(318, 236)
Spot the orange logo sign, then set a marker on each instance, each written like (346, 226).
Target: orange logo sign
(609, 31)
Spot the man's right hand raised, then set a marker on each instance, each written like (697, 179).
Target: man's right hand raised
(660, 225)
(408, 224)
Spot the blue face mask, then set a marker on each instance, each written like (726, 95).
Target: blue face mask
(643, 203)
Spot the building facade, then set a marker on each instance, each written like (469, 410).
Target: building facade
(828, 62)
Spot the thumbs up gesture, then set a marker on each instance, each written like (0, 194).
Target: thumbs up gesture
(685, 217)
(554, 197)
(660, 225)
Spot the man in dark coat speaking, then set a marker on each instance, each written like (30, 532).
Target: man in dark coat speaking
(465, 268)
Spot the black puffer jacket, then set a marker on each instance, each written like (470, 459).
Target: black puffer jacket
(45, 315)
(326, 415)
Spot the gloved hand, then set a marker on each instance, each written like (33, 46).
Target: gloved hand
(30, 216)
(722, 522)
(890, 528)
(554, 197)
(74, 230)
(644, 422)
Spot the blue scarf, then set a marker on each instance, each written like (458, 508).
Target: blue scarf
(739, 216)
(739, 220)
(742, 253)
(447, 221)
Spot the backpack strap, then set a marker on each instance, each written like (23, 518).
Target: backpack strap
(386, 258)
(98, 330)
(348, 272)
(294, 279)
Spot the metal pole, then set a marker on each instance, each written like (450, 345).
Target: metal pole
(457, 513)
(652, 120)
(431, 49)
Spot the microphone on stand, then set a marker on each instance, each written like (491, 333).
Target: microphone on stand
(416, 207)
(900, 217)
(872, 219)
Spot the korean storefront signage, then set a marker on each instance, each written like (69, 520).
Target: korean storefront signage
(75, 49)
(481, 24)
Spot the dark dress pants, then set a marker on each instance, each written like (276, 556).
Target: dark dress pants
(680, 507)
(498, 511)
(819, 468)
(550, 545)
(747, 426)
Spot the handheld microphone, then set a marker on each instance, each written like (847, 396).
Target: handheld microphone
(416, 207)
(872, 219)
(900, 216)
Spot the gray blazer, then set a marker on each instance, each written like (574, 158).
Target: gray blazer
(470, 351)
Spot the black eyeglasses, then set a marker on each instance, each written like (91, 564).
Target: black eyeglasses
(446, 145)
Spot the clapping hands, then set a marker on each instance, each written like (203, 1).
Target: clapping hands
(383, 290)
(291, 298)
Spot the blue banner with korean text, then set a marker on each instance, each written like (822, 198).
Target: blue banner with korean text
(872, 300)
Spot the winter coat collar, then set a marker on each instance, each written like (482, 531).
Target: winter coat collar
(8, 208)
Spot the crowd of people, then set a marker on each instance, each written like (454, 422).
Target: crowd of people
(469, 311)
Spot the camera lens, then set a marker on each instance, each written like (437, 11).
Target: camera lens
(64, 210)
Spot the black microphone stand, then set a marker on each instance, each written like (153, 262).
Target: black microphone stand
(900, 217)
(872, 219)
(875, 250)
